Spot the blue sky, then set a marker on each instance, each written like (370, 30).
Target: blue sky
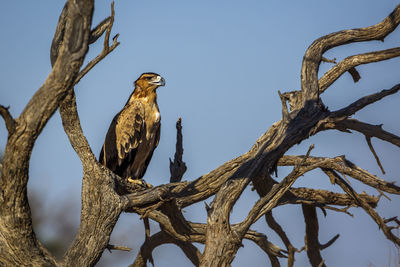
(223, 62)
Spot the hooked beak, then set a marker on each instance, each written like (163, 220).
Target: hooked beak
(158, 81)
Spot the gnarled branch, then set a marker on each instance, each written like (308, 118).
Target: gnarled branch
(313, 56)
(8, 119)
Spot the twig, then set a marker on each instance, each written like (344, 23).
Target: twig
(99, 30)
(355, 74)
(393, 219)
(329, 243)
(122, 248)
(327, 60)
(285, 112)
(344, 210)
(368, 138)
(106, 48)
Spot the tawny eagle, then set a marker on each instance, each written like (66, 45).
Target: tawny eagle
(135, 131)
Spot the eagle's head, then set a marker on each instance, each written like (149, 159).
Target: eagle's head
(149, 82)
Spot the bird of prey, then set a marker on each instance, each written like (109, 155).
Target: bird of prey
(135, 131)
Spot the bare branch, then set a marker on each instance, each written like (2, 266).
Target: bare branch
(327, 60)
(266, 203)
(178, 166)
(98, 31)
(147, 197)
(274, 225)
(106, 48)
(313, 55)
(344, 210)
(272, 250)
(349, 63)
(325, 197)
(73, 129)
(366, 129)
(354, 74)
(285, 112)
(8, 119)
(311, 238)
(374, 153)
(374, 215)
(329, 243)
(344, 166)
(113, 247)
(363, 102)
(161, 238)
(75, 23)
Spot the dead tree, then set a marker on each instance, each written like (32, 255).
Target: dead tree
(305, 116)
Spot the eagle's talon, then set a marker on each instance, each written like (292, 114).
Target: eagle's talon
(140, 182)
(135, 181)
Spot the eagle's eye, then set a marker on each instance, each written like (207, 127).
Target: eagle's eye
(149, 78)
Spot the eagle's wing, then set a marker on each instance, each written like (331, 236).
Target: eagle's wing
(129, 129)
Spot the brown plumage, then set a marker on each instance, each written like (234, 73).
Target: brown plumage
(135, 131)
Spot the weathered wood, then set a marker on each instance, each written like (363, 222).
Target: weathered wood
(102, 205)
(17, 239)
(311, 237)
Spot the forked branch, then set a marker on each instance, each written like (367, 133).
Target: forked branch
(353, 61)
(313, 56)
(107, 49)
